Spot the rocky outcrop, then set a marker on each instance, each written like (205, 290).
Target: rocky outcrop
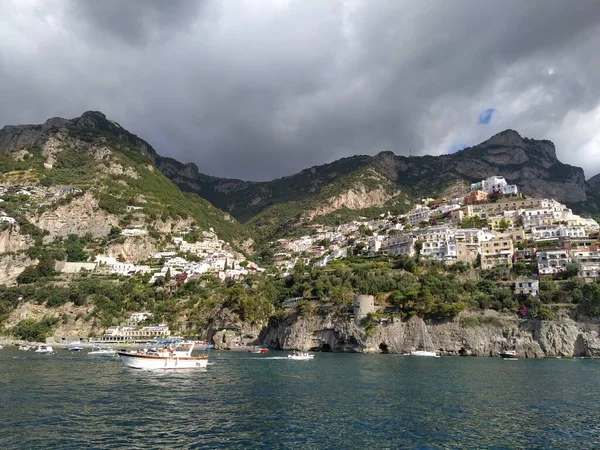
(227, 331)
(486, 334)
(133, 249)
(74, 320)
(357, 197)
(12, 241)
(11, 267)
(79, 217)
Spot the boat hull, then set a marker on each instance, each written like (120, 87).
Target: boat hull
(102, 354)
(152, 362)
(301, 357)
(424, 353)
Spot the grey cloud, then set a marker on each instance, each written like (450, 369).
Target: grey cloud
(133, 21)
(257, 90)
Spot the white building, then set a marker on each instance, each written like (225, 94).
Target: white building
(552, 261)
(133, 333)
(7, 219)
(138, 317)
(527, 286)
(134, 232)
(402, 244)
(493, 185)
(438, 242)
(556, 232)
(160, 255)
(418, 215)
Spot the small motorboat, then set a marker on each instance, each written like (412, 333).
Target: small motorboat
(424, 353)
(45, 349)
(75, 349)
(171, 357)
(301, 356)
(260, 351)
(103, 352)
(509, 355)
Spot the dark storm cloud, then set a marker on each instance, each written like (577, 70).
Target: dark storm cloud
(261, 89)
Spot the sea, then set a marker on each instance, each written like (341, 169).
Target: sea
(335, 401)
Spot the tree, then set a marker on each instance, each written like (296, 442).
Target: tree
(325, 242)
(503, 225)
(360, 248)
(418, 248)
(571, 270)
(114, 232)
(33, 330)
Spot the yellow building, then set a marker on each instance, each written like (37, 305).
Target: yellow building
(484, 210)
(497, 252)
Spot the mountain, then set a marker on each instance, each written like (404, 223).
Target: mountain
(112, 170)
(594, 183)
(372, 184)
(82, 150)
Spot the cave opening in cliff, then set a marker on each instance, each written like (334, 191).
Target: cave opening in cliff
(326, 348)
(384, 348)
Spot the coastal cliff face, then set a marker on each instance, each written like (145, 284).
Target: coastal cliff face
(486, 334)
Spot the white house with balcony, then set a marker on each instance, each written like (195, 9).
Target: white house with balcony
(438, 242)
(556, 232)
(552, 261)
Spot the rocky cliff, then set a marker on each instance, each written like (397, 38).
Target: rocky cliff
(485, 334)
(82, 215)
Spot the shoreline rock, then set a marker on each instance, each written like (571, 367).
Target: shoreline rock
(470, 334)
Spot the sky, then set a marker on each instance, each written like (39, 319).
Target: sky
(265, 88)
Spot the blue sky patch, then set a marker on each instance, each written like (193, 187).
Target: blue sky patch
(486, 116)
(457, 148)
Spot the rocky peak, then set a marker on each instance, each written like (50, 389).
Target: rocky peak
(594, 182)
(506, 138)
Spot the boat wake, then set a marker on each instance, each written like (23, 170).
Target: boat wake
(270, 357)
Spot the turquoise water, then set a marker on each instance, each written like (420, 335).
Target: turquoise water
(336, 401)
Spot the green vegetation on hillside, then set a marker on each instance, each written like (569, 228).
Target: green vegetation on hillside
(403, 287)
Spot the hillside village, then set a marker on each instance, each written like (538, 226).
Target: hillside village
(493, 225)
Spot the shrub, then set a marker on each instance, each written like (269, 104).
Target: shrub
(34, 330)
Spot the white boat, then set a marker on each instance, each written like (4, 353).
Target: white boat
(428, 348)
(24, 348)
(75, 349)
(172, 357)
(301, 356)
(509, 355)
(1, 346)
(105, 352)
(424, 353)
(45, 349)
